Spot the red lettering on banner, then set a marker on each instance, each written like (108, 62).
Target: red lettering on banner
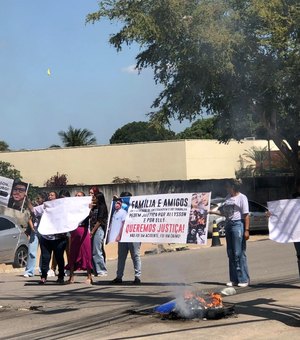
(171, 228)
(141, 228)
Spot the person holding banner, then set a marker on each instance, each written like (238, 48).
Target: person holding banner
(80, 257)
(117, 223)
(51, 244)
(34, 238)
(297, 244)
(52, 272)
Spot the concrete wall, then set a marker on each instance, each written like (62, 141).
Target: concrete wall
(143, 162)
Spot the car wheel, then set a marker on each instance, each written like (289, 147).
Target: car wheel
(21, 257)
(221, 227)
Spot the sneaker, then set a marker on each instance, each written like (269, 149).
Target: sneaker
(116, 281)
(243, 284)
(137, 281)
(27, 275)
(102, 273)
(42, 281)
(51, 273)
(229, 284)
(60, 281)
(67, 272)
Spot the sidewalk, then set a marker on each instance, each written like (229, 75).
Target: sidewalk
(111, 251)
(146, 249)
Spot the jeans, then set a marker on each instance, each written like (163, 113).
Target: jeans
(134, 249)
(236, 251)
(32, 252)
(58, 247)
(98, 251)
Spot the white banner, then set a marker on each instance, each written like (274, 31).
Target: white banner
(64, 214)
(165, 218)
(284, 222)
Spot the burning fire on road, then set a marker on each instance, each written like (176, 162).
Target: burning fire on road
(192, 305)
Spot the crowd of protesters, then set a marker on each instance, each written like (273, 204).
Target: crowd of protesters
(83, 248)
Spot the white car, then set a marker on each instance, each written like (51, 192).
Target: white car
(13, 243)
(257, 213)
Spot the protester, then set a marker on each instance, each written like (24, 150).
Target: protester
(79, 194)
(80, 257)
(236, 211)
(296, 194)
(51, 244)
(98, 222)
(52, 272)
(34, 238)
(18, 195)
(94, 191)
(118, 219)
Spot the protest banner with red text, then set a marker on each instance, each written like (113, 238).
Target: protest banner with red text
(164, 218)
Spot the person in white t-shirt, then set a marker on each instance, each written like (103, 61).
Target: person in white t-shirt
(236, 211)
(117, 222)
(121, 205)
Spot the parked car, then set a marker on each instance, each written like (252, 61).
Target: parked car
(257, 213)
(13, 243)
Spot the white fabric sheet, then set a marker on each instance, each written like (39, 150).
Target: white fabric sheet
(284, 222)
(64, 214)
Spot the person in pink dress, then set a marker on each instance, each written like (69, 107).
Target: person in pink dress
(80, 257)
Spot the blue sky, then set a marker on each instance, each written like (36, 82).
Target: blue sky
(91, 85)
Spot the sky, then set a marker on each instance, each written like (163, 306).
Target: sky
(91, 85)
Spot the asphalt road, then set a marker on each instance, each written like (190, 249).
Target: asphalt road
(268, 309)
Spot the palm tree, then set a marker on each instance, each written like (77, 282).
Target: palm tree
(77, 137)
(257, 157)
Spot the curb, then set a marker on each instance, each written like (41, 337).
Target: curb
(146, 250)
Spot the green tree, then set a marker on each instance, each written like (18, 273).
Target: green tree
(141, 132)
(77, 137)
(56, 181)
(237, 60)
(8, 170)
(204, 128)
(3, 146)
(256, 157)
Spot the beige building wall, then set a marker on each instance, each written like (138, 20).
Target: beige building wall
(209, 159)
(144, 162)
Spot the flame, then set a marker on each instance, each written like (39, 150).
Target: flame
(207, 300)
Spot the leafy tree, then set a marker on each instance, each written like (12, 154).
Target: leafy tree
(141, 132)
(9, 171)
(201, 129)
(122, 180)
(77, 137)
(237, 60)
(3, 146)
(56, 181)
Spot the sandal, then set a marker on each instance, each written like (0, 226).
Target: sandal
(89, 281)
